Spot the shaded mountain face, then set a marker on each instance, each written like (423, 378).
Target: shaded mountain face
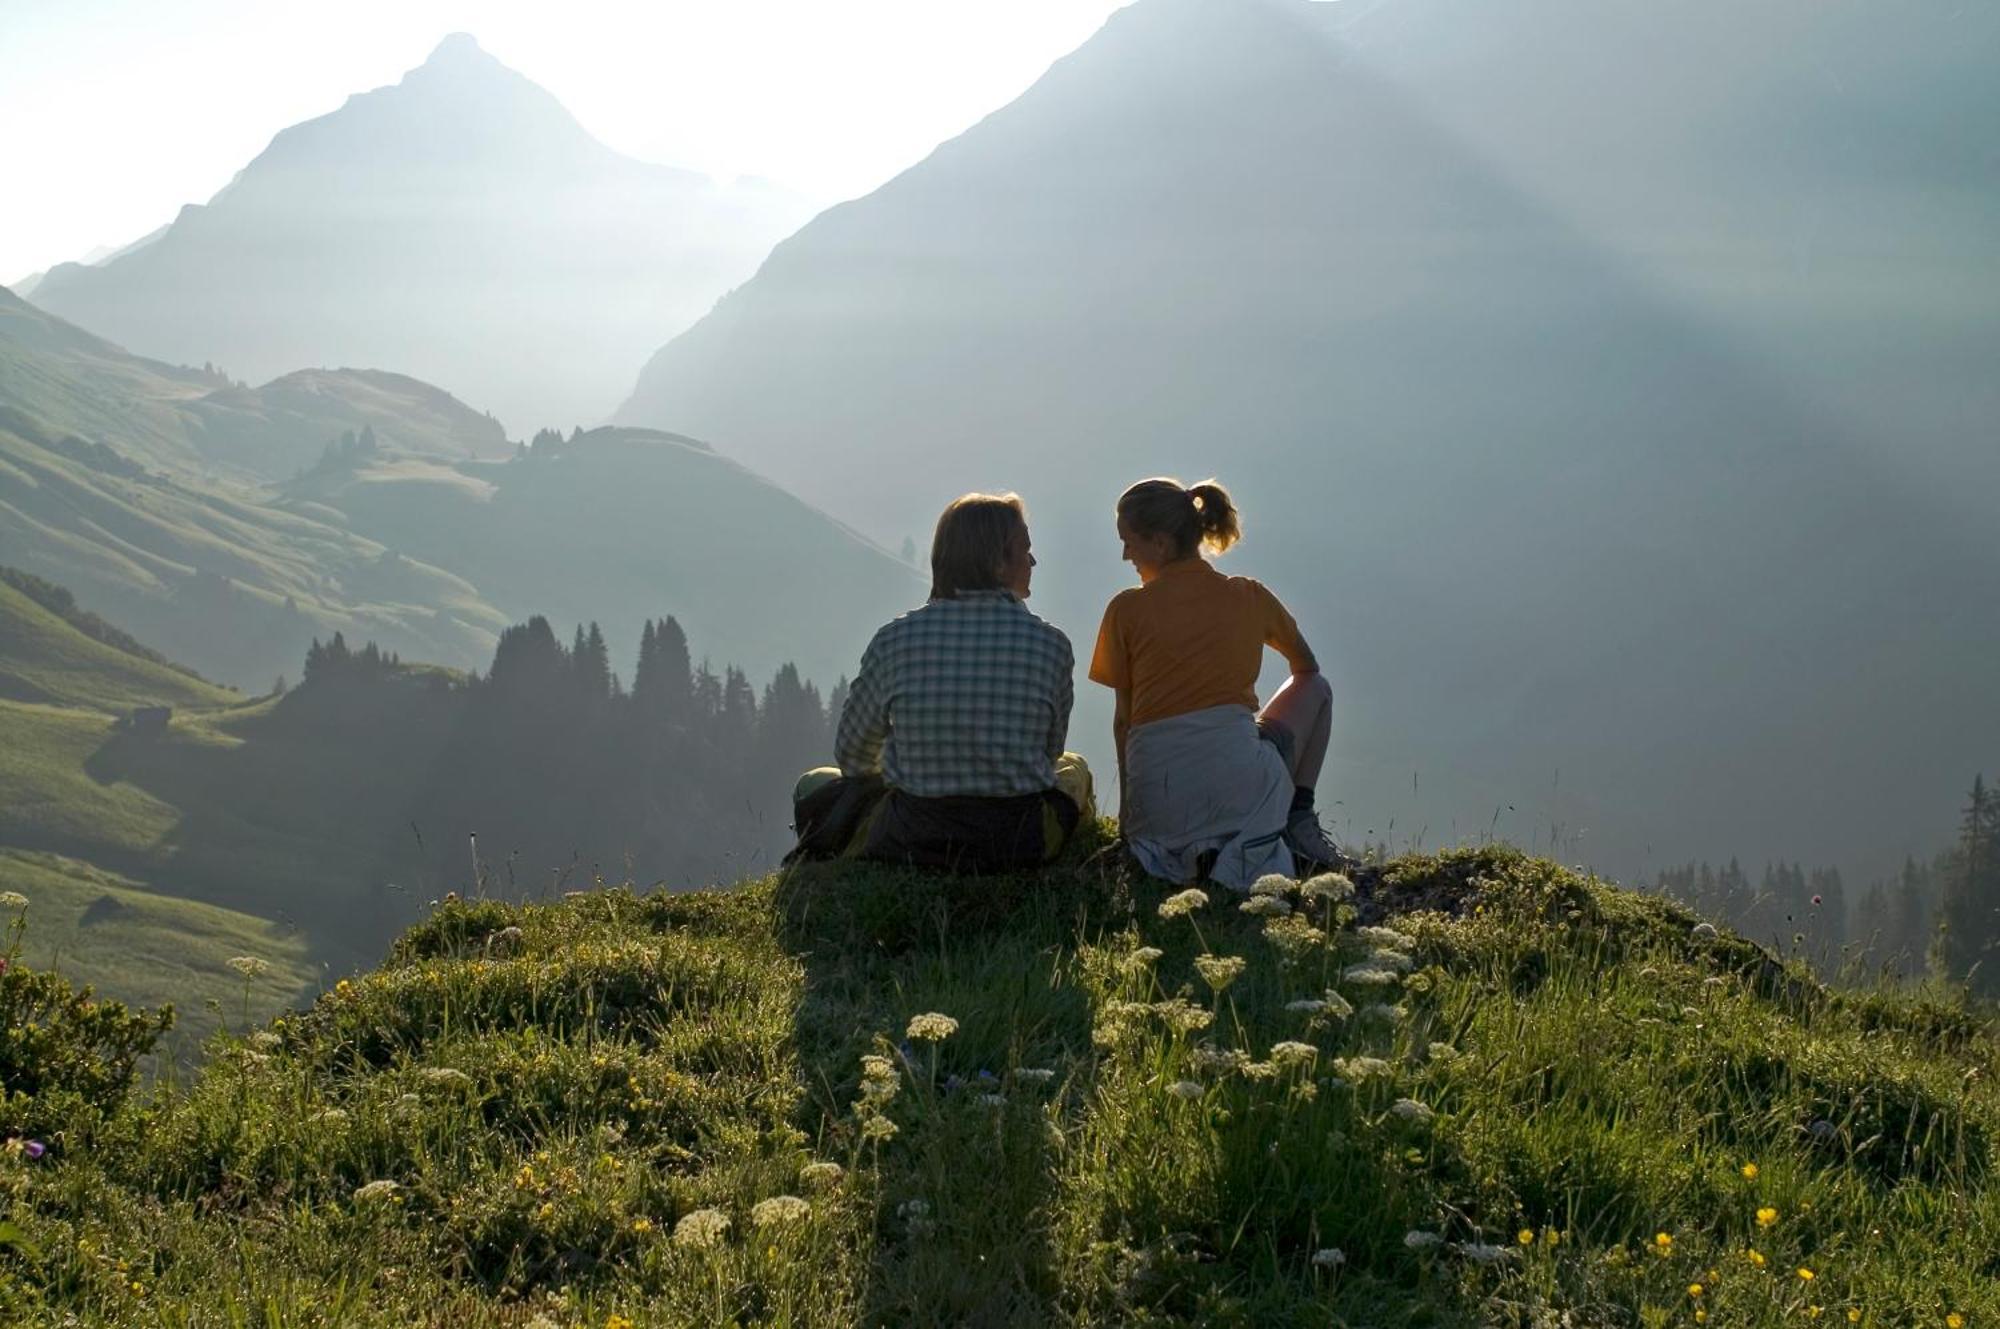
(1592, 563)
(459, 226)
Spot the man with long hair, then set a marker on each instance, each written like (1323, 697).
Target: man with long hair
(950, 746)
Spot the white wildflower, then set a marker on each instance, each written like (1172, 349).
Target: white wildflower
(1480, 1252)
(1383, 1013)
(1184, 903)
(1212, 1060)
(1331, 886)
(1293, 1053)
(1143, 956)
(1307, 1006)
(1384, 958)
(917, 1213)
(822, 1176)
(265, 1041)
(993, 1100)
(444, 1077)
(1033, 1075)
(701, 1228)
(878, 1128)
(1266, 906)
(779, 1210)
(1183, 1016)
(1187, 1090)
(1360, 1068)
(1258, 1070)
(1705, 932)
(1219, 971)
(13, 900)
(1441, 1052)
(1369, 976)
(376, 1190)
(1390, 937)
(328, 1117)
(1422, 1241)
(1410, 1110)
(1338, 1006)
(1271, 884)
(931, 1027)
(1331, 1258)
(250, 966)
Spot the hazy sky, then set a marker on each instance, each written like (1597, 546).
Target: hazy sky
(113, 113)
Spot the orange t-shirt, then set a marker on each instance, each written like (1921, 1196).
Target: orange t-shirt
(1191, 638)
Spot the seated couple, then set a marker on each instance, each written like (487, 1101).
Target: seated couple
(951, 743)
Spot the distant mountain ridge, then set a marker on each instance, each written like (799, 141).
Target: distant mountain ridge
(399, 515)
(459, 226)
(1576, 530)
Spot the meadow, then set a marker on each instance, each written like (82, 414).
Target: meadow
(1483, 1089)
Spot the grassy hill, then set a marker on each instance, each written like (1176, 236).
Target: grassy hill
(46, 656)
(137, 946)
(1487, 1091)
(216, 576)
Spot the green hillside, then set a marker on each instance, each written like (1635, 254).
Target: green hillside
(213, 575)
(1495, 1093)
(45, 657)
(51, 799)
(138, 946)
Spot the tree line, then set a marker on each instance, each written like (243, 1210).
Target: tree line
(1938, 917)
(549, 771)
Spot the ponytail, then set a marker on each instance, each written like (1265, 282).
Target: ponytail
(1220, 526)
(1203, 517)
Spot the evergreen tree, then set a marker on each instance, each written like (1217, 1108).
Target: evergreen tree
(661, 685)
(705, 698)
(1970, 908)
(592, 663)
(528, 663)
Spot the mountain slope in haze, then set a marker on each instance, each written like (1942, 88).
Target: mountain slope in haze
(144, 501)
(174, 418)
(1570, 542)
(212, 574)
(70, 659)
(618, 525)
(459, 226)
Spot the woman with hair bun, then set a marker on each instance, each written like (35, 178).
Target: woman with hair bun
(1210, 786)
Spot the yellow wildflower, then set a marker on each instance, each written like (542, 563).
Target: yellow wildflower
(1854, 1316)
(642, 1225)
(1767, 1216)
(616, 1321)
(1806, 1275)
(1954, 1321)
(1749, 1172)
(1754, 1256)
(1695, 1289)
(1700, 1315)
(1526, 1236)
(1662, 1242)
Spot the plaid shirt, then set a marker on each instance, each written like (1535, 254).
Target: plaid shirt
(969, 695)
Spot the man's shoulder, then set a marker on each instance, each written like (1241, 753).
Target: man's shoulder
(1054, 635)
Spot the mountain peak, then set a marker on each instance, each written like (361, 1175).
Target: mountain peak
(458, 50)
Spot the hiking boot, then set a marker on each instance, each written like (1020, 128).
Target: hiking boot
(1309, 842)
